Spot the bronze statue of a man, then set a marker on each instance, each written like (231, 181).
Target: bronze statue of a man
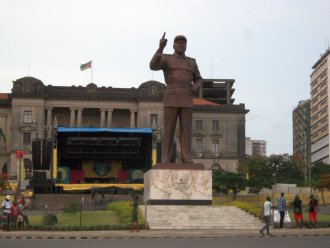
(183, 80)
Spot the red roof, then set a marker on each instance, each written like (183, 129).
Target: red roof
(3, 96)
(203, 102)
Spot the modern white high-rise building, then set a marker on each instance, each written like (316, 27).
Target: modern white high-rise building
(319, 86)
(255, 147)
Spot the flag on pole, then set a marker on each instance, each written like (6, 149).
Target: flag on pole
(86, 66)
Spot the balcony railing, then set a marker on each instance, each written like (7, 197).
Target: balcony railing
(214, 155)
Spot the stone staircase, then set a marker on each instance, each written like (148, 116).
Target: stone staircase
(199, 217)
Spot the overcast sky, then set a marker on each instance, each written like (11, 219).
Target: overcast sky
(267, 46)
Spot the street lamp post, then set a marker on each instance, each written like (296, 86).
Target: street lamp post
(310, 175)
(81, 208)
(275, 172)
(178, 148)
(19, 155)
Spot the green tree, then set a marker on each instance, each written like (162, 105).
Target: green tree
(317, 171)
(3, 182)
(324, 184)
(225, 182)
(287, 169)
(263, 172)
(320, 175)
(257, 171)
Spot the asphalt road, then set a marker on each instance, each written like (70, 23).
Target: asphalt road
(226, 242)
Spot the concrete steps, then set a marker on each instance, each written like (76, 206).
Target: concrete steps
(199, 217)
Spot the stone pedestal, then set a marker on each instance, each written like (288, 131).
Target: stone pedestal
(178, 184)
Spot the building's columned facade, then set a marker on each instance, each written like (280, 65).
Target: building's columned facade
(32, 108)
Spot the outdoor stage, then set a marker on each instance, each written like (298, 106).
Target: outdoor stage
(91, 186)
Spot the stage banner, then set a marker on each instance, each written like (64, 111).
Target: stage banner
(64, 174)
(88, 186)
(136, 176)
(54, 163)
(77, 176)
(154, 157)
(101, 169)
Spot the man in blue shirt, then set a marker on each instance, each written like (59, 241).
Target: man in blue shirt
(282, 208)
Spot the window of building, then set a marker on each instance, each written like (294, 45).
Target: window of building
(28, 168)
(199, 147)
(215, 125)
(215, 146)
(199, 125)
(153, 120)
(26, 139)
(27, 117)
(152, 90)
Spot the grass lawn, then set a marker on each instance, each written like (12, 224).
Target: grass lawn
(256, 209)
(89, 218)
(320, 217)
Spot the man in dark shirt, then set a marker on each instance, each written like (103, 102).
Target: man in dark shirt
(297, 210)
(135, 213)
(183, 80)
(312, 215)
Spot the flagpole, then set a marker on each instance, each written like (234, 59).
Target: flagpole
(92, 72)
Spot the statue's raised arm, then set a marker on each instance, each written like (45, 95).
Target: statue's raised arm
(162, 43)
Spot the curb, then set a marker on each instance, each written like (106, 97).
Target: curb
(163, 234)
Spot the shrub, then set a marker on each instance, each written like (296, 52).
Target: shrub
(72, 208)
(124, 211)
(250, 208)
(49, 219)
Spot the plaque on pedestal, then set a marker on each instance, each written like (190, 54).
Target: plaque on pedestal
(178, 184)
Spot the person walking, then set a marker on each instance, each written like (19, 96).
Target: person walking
(20, 221)
(312, 215)
(14, 214)
(268, 206)
(6, 207)
(102, 201)
(135, 206)
(297, 210)
(22, 210)
(183, 80)
(282, 209)
(21, 202)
